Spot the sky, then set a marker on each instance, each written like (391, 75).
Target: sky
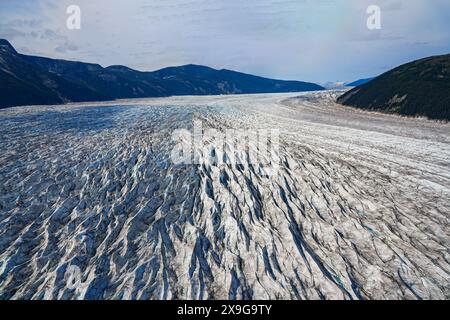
(310, 40)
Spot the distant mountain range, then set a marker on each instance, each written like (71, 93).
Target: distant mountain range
(30, 80)
(358, 82)
(419, 88)
(340, 85)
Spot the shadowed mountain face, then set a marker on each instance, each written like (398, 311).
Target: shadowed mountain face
(24, 82)
(419, 88)
(29, 80)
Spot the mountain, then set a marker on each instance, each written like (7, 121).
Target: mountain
(334, 85)
(30, 80)
(340, 85)
(358, 82)
(23, 82)
(194, 79)
(418, 88)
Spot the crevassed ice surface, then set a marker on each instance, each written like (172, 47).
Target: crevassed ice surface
(359, 208)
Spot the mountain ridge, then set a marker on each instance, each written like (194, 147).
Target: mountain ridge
(418, 88)
(31, 80)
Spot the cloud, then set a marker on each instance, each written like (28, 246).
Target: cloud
(66, 47)
(10, 33)
(316, 40)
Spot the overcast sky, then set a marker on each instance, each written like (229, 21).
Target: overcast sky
(312, 40)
